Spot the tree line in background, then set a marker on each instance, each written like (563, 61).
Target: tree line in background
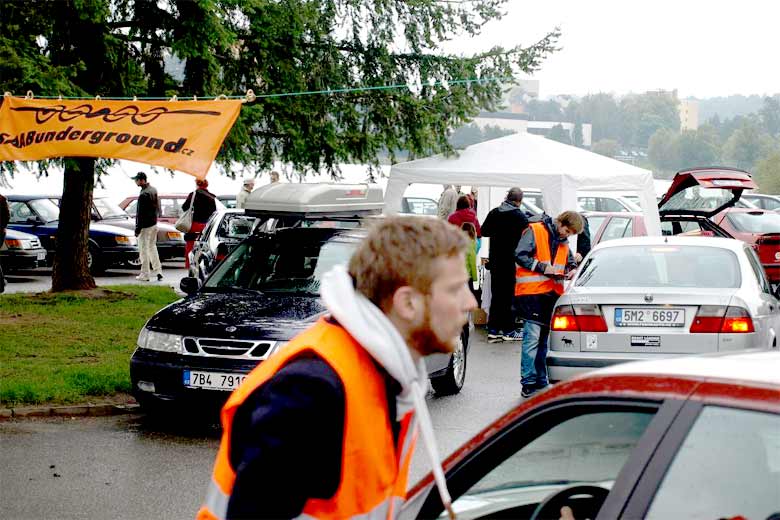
(647, 128)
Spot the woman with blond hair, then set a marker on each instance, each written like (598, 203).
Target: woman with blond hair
(203, 206)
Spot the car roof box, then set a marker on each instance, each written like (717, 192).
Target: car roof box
(316, 199)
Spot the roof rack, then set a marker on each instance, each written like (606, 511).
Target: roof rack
(320, 200)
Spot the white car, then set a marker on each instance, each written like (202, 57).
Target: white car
(652, 297)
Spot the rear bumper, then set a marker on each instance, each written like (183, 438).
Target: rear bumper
(566, 365)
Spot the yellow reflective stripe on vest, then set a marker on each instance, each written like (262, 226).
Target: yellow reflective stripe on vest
(216, 501)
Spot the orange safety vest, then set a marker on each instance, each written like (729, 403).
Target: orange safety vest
(529, 282)
(374, 472)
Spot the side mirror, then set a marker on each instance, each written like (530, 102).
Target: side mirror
(35, 220)
(189, 285)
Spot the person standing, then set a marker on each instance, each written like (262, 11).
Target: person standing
(543, 260)
(584, 243)
(503, 225)
(463, 213)
(357, 377)
(447, 202)
(148, 209)
(5, 218)
(246, 188)
(203, 206)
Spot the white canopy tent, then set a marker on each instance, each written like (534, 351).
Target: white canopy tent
(527, 161)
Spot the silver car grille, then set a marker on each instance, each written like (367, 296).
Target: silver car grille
(35, 243)
(229, 348)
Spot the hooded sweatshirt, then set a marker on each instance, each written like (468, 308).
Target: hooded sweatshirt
(504, 225)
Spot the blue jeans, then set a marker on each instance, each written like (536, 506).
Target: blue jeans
(533, 363)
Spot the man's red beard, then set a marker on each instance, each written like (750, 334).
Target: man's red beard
(424, 340)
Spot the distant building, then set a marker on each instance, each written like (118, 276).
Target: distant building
(519, 123)
(689, 114)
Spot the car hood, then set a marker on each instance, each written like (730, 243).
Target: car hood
(129, 223)
(115, 230)
(18, 235)
(249, 316)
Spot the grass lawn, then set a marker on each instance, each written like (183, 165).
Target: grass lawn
(68, 347)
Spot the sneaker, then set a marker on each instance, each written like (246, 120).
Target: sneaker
(515, 335)
(142, 278)
(528, 391)
(159, 277)
(495, 337)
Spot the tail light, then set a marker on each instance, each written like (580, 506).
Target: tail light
(717, 318)
(582, 318)
(564, 320)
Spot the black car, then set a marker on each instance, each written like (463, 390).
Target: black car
(266, 291)
(39, 216)
(223, 232)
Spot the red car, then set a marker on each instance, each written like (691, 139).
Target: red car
(691, 437)
(758, 227)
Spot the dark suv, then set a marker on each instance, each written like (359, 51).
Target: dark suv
(266, 291)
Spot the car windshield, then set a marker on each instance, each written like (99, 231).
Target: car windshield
(661, 266)
(756, 222)
(107, 209)
(236, 225)
(46, 209)
(290, 261)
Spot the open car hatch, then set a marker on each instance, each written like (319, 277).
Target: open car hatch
(704, 191)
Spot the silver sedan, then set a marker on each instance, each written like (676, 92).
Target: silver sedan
(652, 297)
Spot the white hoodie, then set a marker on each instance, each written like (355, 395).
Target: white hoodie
(376, 333)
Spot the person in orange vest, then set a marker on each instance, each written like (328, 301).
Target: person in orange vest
(543, 260)
(327, 425)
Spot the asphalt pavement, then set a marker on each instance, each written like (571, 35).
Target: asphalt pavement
(39, 280)
(132, 467)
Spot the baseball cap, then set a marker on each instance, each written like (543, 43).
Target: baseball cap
(140, 176)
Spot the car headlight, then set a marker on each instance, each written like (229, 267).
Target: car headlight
(175, 235)
(126, 241)
(161, 341)
(11, 243)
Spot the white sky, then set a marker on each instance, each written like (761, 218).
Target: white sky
(701, 48)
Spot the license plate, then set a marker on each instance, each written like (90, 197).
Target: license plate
(212, 380)
(649, 317)
(41, 256)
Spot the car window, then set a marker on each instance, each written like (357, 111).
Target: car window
(132, 207)
(770, 203)
(608, 204)
(45, 209)
(758, 270)
(594, 223)
(756, 221)
(20, 212)
(696, 198)
(236, 225)
(587, 203)
(616, 228)
(421, 206)
(661, 266)
(289, 261)
(170, 208)
(585, 449)
(107, 209)
(727, 467)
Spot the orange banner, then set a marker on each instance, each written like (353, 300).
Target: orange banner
(180, 135)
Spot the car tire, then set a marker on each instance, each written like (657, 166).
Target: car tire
(94, 262)
(451, 382)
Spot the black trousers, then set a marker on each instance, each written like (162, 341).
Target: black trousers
(502, 293)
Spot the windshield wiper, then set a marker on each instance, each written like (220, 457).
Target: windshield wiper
(231, 289)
